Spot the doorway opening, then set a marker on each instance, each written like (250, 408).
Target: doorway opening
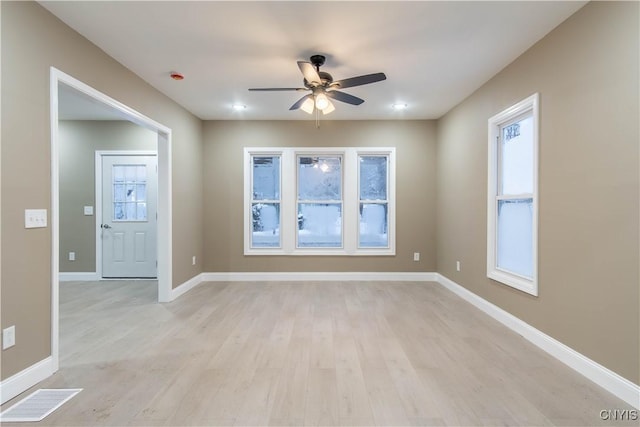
(60, 81)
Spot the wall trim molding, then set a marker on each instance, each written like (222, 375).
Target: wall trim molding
(80, 276)
(602, 376)
(25, 379)
(185, 287)
(320, 276)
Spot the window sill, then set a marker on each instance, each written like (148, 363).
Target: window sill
(529, 286)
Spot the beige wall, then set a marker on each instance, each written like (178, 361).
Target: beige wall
(586, 72)
(415, 209)
(32, 41)
(78, 142)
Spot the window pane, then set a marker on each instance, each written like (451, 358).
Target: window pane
(373, 178)
(130, 212)
(118, 193)
(320, 178)
(131, 192)
(141, 192)
(373, 225)
(515, 234)
(319, 225)
(118, 173)
(118, 212)
(141, 212)
(130, 173)
(266, 178)
(265, 225)
(141, 173)
(516, 157)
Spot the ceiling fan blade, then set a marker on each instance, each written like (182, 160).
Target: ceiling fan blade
(359, 81)
(299, 103)
(274, 89)
(344, 97)
(309, 72)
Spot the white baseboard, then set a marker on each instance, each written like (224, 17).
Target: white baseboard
(79, 277)
(319, 276)
(186, 286)
(604, 377)
(23, 380)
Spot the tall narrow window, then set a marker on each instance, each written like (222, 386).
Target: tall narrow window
(373, 181)
(512, 196)
(265, 201)
(319, 204)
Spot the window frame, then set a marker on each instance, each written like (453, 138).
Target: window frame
(339, 155)
(524, 108)
(376, 201)
(289, 199)
(253, 200)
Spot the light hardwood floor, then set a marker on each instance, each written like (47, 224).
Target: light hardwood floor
(308, 353)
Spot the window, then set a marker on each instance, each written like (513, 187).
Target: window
(319, 201)
(372, 194)
(512, 196)
(265, 201)
(129, 193)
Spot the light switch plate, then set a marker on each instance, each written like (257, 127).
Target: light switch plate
(35, 218)
(88, 210)
(8, 337)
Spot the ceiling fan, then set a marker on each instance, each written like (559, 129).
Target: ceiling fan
(323, 87)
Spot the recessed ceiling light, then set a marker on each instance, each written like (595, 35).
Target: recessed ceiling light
(399, 106)
(176, 76)
(239, 107)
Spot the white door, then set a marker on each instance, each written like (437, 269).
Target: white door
(129, 203)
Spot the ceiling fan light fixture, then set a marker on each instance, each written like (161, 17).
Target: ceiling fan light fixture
(330, 108)
(308, 106)
(322, 101)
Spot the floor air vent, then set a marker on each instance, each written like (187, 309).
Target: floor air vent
(38, 405)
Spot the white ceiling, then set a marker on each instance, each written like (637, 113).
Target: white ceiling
(434, 54)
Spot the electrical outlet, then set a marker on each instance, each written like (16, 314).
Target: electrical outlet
(72, 256)
(8, 337)
(416, 256)
(457, 265)
(193, 260)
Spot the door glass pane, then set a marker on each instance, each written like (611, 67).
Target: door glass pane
(131, 211)
(373, 225)
(320, 178)
(118, 211)
(516, 157)
(131, 192)
(141, 173)
(130, 187)
(515, 236)
(265, 225)
(373, 177)
(320, 225)
(266, 178)
(141, 211)
(130, 173)
(118, 192)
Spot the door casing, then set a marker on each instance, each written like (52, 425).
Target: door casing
(165, 256)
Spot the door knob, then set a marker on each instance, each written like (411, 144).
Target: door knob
(105, 226)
